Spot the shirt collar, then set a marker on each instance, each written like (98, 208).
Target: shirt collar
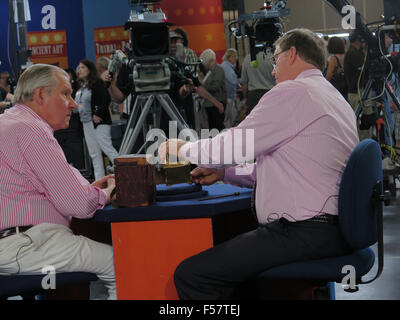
(32, 113)
(309, 73)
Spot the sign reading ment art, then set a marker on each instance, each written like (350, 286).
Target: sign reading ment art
(49, 47)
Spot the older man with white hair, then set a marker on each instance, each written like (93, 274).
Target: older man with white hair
(214, 82)
(40, 192)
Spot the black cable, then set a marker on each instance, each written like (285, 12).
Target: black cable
(16, 256)
(278, 216)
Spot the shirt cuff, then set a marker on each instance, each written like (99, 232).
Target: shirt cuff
(230, 175)
(102, 198)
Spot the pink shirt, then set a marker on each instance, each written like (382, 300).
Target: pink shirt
(36, 183)
(304, 132)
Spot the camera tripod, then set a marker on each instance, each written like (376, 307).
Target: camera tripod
(149, 103)
(377, 83)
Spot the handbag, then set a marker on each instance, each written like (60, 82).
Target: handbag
(338, 80)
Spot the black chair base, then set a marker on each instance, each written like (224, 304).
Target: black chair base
(29, 286)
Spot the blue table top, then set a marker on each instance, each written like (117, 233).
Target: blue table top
(189, 208)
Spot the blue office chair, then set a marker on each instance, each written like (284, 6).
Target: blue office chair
(29, 286)
(360, 219)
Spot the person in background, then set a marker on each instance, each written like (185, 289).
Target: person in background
(70, 138)
(335, 70)
(73, 80)
(102, 65)
(6, 99)
(256, 80)
(93, 101)
(183, 54)
(189, 55)
(353, 64)
(231, 80)
(102, 69)
(214, 83)
(40, 192)
(5, 83)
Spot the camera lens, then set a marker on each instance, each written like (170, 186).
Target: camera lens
(150, 39)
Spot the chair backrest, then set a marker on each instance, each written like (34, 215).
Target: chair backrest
(357, 213)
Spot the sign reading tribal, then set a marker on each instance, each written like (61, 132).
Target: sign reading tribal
(109, 39)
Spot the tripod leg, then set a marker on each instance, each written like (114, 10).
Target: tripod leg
(132, 134)
(132, 120)
(394, 98)
(174, 114)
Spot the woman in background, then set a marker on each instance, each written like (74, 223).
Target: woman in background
(73, 79)
(335, 70)
(93, 101)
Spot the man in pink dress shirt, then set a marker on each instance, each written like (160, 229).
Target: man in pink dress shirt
(303, 133)
(40, 192)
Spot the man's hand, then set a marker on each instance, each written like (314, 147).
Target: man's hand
(106, 76)
(187, 88)
(170, 148)
(97, 119)
(107, 184)
(103, 182)
(220, 107)
(4, 104)
(207, 176)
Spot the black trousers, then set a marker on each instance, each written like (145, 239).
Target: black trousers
(217, 272)
(253, 97)
(215, 119)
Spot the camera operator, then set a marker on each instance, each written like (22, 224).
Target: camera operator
(122, 85)
(214, 82)
(180, 52)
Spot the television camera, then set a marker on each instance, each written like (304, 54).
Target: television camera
(151, 65)
(262, 27)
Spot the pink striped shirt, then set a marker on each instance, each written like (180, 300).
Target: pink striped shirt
(304, 132)
(37, 184)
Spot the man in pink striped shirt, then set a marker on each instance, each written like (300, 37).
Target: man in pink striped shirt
(304, 131)
(40, 192)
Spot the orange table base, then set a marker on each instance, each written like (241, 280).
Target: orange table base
(146, 254)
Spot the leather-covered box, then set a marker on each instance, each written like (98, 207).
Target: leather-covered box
(135, 183)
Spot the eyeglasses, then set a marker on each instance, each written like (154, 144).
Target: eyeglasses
(276, 58)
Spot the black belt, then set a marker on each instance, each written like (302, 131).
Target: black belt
(325, 218)
(11, 231)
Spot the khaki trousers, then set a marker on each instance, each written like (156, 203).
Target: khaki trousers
(54, 245)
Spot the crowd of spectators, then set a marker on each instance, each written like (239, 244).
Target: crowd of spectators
(226, 92)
